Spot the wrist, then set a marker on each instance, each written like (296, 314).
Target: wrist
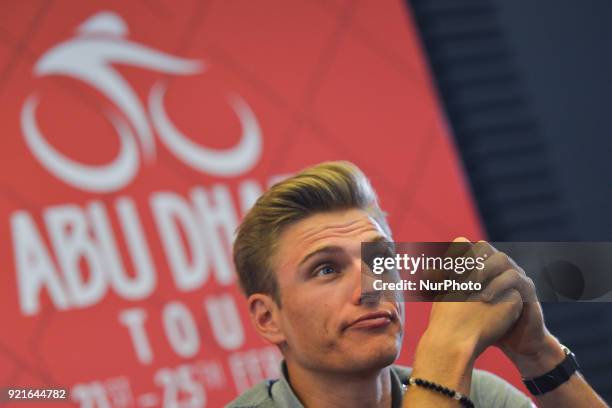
(447, 360)
(544, 358)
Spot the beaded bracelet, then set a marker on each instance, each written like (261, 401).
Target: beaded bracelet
(456, 395)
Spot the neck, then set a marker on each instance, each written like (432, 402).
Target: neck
(323, 389)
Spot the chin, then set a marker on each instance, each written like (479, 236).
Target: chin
(375, 357)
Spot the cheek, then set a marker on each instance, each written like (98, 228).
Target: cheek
(309, 324)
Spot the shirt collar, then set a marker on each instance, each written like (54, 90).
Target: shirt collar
(282, 393)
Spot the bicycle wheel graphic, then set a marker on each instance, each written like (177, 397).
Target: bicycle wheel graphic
(94, 178)
(220, 162)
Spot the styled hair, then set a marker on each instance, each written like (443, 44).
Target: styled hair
(325, 187)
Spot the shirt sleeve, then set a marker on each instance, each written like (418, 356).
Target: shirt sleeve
(488, 390)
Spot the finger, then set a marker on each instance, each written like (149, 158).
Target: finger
(481, 249)
(507, 280)
(469, 251)
(458, 247)
(513, 298)
(494, 265)
(432, 274)
(472, 261)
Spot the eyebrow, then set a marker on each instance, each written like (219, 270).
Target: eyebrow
(335, 248)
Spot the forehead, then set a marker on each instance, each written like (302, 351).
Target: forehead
(346, 228)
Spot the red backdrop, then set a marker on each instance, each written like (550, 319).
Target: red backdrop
(135, 135)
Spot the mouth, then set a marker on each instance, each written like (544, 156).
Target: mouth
(373, 320)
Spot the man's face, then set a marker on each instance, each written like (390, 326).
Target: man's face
(325, 321)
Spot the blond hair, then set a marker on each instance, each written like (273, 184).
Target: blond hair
(326, 187)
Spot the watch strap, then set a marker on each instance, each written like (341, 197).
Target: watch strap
(554, 378)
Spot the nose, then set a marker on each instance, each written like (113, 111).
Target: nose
(370, 298)
(364, 292)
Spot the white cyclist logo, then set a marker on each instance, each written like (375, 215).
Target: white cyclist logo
(88, 57)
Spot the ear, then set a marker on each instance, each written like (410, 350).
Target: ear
(265, 316)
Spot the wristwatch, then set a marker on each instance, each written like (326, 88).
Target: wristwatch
(555, 377)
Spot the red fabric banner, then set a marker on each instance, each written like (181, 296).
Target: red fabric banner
(136, 135)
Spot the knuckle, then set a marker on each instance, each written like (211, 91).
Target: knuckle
(482, 247)
(517, 302)
(504, 259)
(509, 277)
(499, 261)
(514, 274)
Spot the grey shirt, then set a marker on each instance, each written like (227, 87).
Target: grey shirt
(487, 391)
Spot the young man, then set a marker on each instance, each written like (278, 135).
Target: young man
(298, 257)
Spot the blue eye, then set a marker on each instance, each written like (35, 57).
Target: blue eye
(325, 270)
